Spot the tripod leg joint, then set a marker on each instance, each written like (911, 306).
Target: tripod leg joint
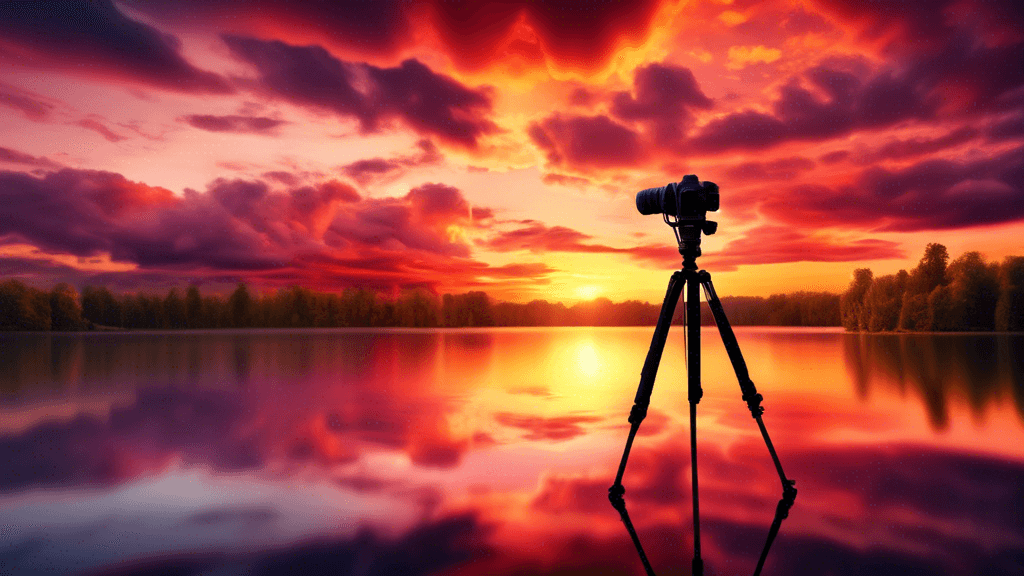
(788, 498)
(615, 496)
(753, 401)
(695, 396)
(637, 413)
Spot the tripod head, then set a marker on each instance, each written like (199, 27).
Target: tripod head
(684, 206)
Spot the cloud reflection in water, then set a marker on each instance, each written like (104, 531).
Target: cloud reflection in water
(490, 452)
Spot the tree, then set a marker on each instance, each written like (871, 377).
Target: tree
(940, 310)
(974, 292)
(1010, 307)
(193, 307)
(65, 311)
(174, 310)
(358, 307)
(929, 274)
(882, 301)
(417, 308)
(23, 308)
(852, 302)
(240, 305)
(914, 312)
(930, 271)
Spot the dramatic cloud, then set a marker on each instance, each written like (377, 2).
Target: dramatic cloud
(130, 221)
(379, 27)
(324, 235)
(371, 169)
(577, 35)
(662, 103)
(563, 180)
(587, 142)
(769, 244)
(96, 39)
(27, 104)
(928, 195)
(15, 157)
(896, 149)
(423, 100)
(244, 124)
(574, 34)
(97, 126)
(781, 169)
(664, 96)
(772, 244)
(537, 237)
(799, 114)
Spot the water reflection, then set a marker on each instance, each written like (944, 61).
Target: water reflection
(984, 369)
(491, 451)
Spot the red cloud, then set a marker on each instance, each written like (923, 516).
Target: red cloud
(325, 236)
(94, 125)
(575, 34)
(31, 107)
(537, 237)
(774, 245)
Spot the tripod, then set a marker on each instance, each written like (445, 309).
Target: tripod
(693, 279)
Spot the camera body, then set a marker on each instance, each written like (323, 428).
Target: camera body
(688, 201)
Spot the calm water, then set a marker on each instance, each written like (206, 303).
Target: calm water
(490, 452)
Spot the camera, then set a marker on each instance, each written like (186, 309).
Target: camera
(687, 200)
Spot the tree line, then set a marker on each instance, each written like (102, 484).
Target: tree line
(23, 307)
(966, 294)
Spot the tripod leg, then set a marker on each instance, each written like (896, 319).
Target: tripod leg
(695, 393)
(753, 400)
(642, 401)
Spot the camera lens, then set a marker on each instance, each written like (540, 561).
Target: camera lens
(661, 200)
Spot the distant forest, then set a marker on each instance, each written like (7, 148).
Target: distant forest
(966, 294)
(63, 308)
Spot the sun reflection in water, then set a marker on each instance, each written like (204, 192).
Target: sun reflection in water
(588, 362)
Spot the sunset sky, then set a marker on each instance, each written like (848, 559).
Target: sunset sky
(461, 146)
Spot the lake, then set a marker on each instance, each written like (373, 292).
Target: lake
(490, 451)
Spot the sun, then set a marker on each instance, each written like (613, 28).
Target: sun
(587, 292)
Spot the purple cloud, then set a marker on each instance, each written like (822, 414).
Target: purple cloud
(96, 38)
(423, 100)
(664, 95)
(587, 141)
(242, 124)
